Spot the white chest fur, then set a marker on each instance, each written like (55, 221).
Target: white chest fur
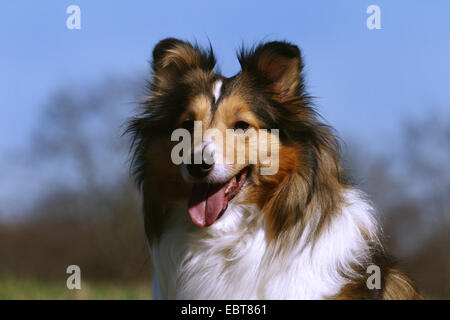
(232, 259)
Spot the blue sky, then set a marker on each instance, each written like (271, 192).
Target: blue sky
(367, 82)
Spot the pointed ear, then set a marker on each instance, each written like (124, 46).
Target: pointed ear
(172, 58)
(278, 64)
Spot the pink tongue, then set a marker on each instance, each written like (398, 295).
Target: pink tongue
(206, 203)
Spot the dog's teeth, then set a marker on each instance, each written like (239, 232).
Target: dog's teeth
(228, 188)
(231, 185)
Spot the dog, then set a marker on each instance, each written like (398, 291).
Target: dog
(224, 230)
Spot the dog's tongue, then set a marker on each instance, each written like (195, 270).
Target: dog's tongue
(207, 202)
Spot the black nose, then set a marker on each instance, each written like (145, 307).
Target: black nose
(200, 170)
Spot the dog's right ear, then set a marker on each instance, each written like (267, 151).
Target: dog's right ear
(172, 58)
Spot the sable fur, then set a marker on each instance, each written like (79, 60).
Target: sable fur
(297, 210)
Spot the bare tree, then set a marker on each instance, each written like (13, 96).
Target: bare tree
(87, 212)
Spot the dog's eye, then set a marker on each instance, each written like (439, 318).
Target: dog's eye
(188, 125)
(241, 125)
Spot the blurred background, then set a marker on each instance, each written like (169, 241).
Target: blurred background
(65, 193)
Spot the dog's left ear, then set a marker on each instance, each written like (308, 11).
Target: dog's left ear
(278, 64)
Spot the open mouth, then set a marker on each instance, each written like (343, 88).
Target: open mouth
(209, 201)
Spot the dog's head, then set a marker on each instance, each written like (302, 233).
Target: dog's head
(214, 139)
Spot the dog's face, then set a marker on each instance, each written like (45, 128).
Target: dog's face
(226, 150)
(244, 130)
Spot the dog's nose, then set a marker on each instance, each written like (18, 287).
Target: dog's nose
(200, 169)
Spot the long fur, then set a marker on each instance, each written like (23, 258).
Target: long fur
(303, 233)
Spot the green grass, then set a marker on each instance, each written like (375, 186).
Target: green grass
(30, 289)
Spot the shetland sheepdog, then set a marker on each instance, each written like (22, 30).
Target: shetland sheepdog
(221, 229)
